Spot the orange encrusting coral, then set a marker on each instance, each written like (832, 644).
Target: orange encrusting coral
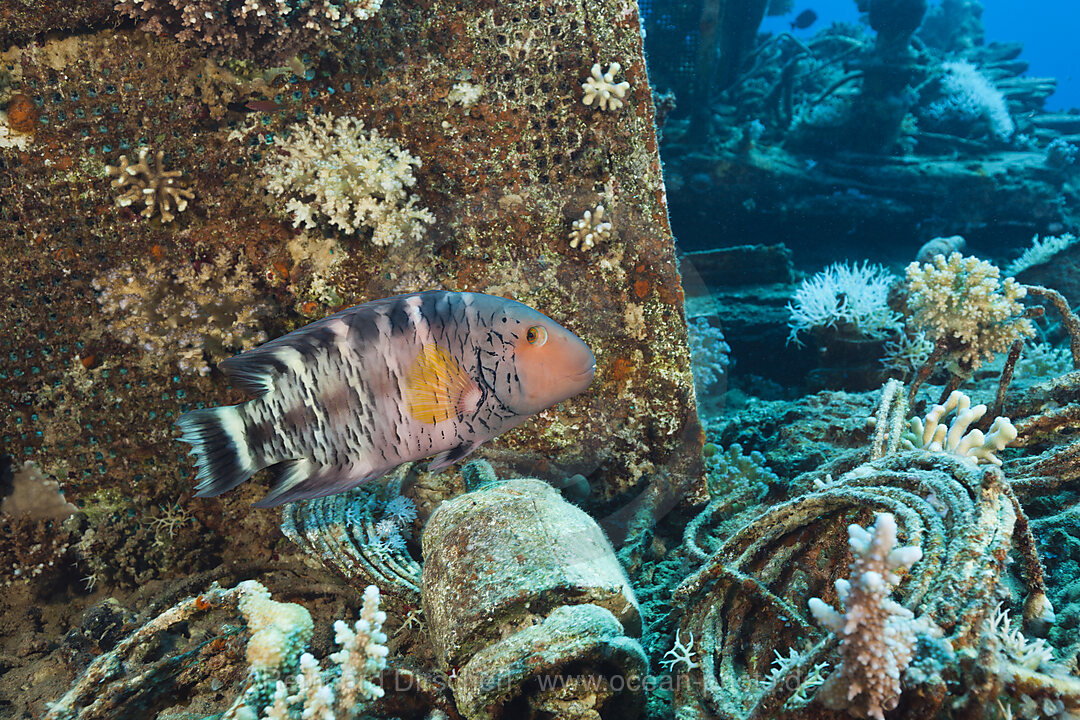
(22, 115)
(281, 269)
(620, 369)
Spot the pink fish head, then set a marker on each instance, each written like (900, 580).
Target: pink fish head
(551, 363)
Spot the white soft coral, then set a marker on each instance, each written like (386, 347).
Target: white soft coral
(969, 95)
(335, 171)
(855, 297)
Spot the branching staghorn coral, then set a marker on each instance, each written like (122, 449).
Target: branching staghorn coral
(154, 187)
(894, 431)
(335, 172)
(264, 30)
(744, 603)
(129, 674)
(877, 634)
(195, 313)
(1031, 654)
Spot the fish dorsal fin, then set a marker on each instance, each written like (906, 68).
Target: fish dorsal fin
(437, 388)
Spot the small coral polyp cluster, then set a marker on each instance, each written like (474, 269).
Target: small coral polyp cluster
(590, 230)
(155, 188)
(602, 89)
(336, 173)
(266, 30)
(193, 313)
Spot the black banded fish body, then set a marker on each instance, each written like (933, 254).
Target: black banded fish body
(350, 397)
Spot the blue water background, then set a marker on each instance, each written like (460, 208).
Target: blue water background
(1048, 29)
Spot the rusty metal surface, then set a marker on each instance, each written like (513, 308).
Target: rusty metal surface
(505, 178)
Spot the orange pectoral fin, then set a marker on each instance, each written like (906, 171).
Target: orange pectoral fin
(437, 388)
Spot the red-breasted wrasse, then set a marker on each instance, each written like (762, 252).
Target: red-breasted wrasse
(348, 398)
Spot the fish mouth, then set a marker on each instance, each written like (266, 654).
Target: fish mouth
(586, 374)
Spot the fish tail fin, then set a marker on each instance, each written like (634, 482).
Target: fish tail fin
(222, 453)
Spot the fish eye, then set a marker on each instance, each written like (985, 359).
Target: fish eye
(536, 335)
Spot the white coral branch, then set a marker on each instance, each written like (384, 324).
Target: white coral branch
(932, 434)
(877, 635)
(602, 89)
(590, 230)
(155, 187)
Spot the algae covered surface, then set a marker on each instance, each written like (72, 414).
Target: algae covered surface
(117, 307)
